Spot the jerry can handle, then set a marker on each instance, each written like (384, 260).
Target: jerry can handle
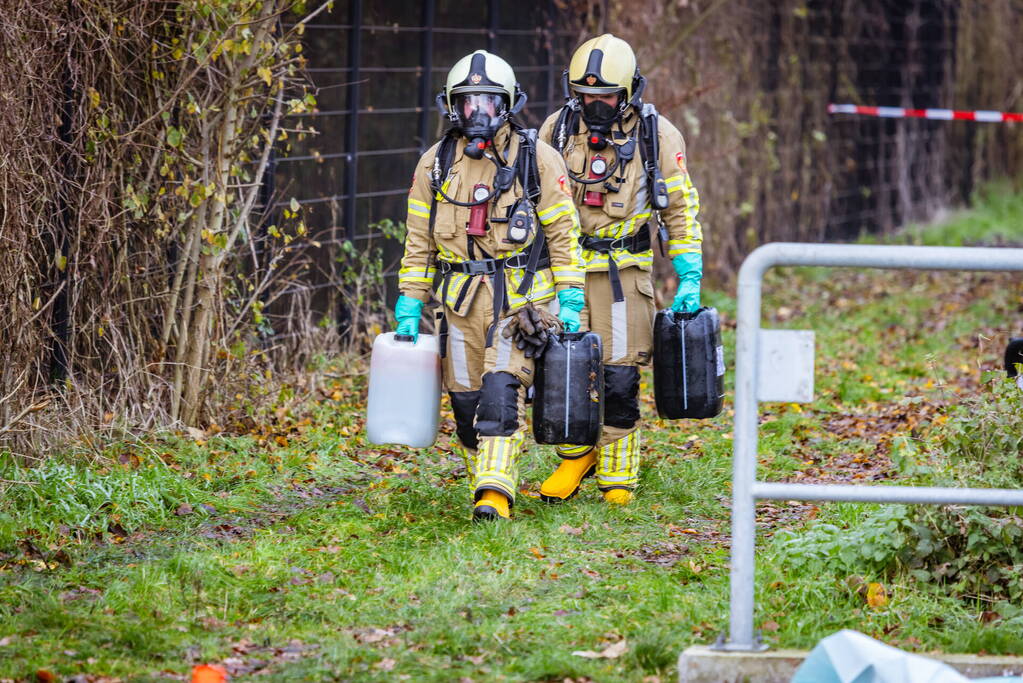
(685, 316)
(404, 338)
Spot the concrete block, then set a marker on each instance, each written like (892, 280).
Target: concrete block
(701, 664)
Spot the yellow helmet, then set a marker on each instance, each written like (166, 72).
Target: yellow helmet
(603, 65)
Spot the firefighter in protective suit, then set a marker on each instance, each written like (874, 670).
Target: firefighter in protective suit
(626, 165)
(491, 219)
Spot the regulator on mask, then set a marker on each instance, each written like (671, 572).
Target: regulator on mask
(598, 117)
(480, 116)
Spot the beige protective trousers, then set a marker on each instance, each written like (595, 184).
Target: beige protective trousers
(626, 330)
(488, 394)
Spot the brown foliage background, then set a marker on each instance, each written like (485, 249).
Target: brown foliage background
(131, 157)
(748, 84)
(105, 212)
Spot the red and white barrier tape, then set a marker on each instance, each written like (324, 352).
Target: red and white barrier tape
(939, 114)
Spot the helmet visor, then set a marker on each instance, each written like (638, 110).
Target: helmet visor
(479, 111)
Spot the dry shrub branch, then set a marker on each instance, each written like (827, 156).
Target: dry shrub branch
(135, 249)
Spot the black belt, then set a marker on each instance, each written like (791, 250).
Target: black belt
(489, 266)
(635, 243)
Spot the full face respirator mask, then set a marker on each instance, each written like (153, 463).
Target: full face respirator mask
(480, 116)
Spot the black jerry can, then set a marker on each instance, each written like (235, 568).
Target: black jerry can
(568, 401)
(689, 364)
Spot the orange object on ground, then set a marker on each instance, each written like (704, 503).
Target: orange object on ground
(209, 673)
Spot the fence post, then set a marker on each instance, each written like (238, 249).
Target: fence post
(351, 140)
(744, 462)
(426, 75)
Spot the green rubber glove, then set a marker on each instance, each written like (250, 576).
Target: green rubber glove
(407, 312)
(689, 268)
(572, 303)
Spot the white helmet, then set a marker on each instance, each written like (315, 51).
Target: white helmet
(480, 94)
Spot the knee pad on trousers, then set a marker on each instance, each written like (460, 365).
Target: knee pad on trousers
(498, 411)
(621, 396)
(463, 404)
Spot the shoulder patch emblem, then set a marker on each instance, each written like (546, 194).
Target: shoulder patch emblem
(563, 184)
(680, 159)
(475, 79)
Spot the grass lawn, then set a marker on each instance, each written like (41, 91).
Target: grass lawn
(296, 550)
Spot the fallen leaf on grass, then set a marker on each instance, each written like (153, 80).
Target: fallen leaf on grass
(573, 531)
(612, 651)
(377, 636)
(770, 626)
(386, 664)
(536, 553)
(183, 509)
(877, 597)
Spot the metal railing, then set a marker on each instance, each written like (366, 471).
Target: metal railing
(746, 490)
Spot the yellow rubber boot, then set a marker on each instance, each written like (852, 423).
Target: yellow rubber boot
(618, 496)
(491, 505)
(565, 481)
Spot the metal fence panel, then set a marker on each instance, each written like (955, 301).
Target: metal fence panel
(745, 488)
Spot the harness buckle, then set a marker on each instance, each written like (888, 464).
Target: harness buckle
(618, 243)
(482, 267)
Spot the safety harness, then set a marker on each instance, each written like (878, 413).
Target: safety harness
(566, 126)
(536, 257)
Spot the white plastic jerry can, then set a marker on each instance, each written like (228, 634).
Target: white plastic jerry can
(404, 390)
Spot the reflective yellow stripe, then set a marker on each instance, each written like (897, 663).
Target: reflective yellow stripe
(625, 227)
(676, 247)
(568, 276)
(594, 261)
(418, 208)
(542, 288)
(445, 254)
(416, 274)
(444, 188)
(496, 462)
(692, 202)
(618, 462)
(675, 183)
(551, 213)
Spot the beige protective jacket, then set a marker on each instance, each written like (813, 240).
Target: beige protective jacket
(626, 212)
(556, 213)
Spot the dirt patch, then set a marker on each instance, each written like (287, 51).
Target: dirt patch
(664, 554)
